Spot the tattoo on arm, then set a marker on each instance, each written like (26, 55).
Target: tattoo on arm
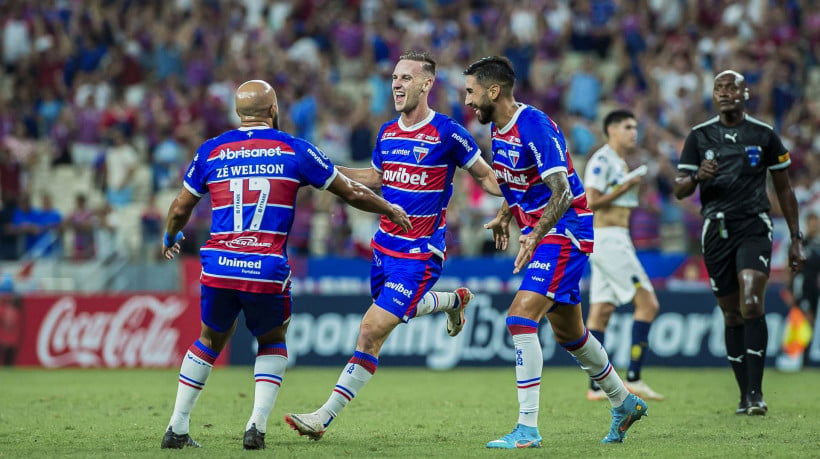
(557, 205)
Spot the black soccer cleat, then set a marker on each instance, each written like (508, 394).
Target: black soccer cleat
(254, 439)
(743, 406)
(757, 407)
(175, 441)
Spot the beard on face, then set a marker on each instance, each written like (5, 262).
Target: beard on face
(485, 113)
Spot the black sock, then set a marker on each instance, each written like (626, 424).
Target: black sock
(640, 341)
(736, 353)
(756, 334)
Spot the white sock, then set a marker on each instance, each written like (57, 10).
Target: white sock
(591, 356)
(436, 301)
(356, 374)
(529, 364)
(268, 371)
(196, 367)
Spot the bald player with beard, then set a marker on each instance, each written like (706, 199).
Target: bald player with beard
(729, 157)
(252, 174)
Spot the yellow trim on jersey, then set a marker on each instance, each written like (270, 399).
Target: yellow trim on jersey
(783, 158)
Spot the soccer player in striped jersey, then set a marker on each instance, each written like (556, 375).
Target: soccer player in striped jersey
(546, 197)
(414, 160)
(252, 174)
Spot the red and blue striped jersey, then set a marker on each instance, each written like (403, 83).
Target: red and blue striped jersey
(417, 165)
(253, 175)
(525, 151)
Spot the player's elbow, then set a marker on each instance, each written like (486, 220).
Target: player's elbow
(565, 200)
(681, 192)
(178, 211)
(593, 204)
(356, 195)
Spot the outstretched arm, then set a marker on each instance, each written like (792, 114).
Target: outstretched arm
(362, 197)
(368, 177)
(484, 175)
(178, 215)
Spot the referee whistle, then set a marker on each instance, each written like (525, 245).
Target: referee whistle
(721, 218)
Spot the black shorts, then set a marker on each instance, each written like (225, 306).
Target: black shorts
(744, 244)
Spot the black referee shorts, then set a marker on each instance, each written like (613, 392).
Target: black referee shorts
(732, 246)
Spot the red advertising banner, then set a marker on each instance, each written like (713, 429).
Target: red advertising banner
(109, 330)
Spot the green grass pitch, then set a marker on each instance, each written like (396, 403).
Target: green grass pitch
(403, 412)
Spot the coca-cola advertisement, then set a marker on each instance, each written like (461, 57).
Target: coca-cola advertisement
(112, 331)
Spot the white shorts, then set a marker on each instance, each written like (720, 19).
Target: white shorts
(616, 272)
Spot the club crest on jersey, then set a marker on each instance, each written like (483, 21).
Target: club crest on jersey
(513, 155)
(420, 153)
(753, 155)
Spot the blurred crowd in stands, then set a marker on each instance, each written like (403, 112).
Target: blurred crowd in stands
(103, 102)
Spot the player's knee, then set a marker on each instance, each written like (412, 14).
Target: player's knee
(599, 315)
(752, 308)
(732, 318)
(371, 337)
(646, 301)
(566, 336)
(597, 322)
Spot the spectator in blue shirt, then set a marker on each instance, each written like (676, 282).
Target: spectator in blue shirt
(39, 227)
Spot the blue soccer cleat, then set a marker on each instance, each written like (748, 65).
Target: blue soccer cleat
(521, 437)
(623, 417)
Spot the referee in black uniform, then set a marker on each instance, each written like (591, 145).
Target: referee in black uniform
(728, 157)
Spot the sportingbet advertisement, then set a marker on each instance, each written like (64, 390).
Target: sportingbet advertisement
(155, 329)
(687, 332)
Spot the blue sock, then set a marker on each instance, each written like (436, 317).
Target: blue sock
(640, 341)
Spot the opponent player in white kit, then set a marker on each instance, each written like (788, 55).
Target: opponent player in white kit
(617, 275)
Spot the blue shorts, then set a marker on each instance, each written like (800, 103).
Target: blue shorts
(397, 284)
(263, 311)
(555, 271)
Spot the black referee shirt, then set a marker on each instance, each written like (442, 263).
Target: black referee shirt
(744, 153)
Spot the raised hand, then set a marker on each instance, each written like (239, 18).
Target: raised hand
(501, 232)
(707, 170)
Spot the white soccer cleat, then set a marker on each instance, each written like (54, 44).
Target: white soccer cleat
(455, 317)
(309, 424)
(642, 390)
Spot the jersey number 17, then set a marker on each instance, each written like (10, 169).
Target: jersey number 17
(261, 185)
